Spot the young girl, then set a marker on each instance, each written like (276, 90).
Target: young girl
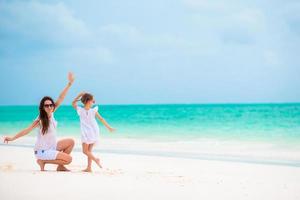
(89, 127)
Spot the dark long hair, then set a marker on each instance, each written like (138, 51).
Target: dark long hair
(43, 114)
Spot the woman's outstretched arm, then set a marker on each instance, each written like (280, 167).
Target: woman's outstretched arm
(65, 90)
(77, 98)
(23, 132)
(104, 122)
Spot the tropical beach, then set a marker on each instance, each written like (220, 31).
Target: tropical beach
(167, 163)
(136, 176)
(187, 99)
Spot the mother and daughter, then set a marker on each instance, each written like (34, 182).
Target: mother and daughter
(47, 149)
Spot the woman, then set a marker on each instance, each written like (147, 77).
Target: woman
(47, 149)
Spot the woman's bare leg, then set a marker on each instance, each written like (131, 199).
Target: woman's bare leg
(41, 163)
(61, 159)
(66, 146)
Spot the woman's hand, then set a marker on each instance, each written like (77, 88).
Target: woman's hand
(71, 77)
(7, 139)
(65, 90)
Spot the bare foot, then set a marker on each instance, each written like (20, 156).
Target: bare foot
(87, 170)
(62, 168)
(98, 162)
(41, 164)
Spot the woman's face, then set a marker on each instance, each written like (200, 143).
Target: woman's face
(48, 106)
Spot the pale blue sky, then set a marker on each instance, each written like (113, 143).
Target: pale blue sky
(159, 51)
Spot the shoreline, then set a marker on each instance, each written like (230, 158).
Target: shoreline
(205, 150)
(144, 177)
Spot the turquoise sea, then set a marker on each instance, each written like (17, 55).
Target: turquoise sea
(273, 123)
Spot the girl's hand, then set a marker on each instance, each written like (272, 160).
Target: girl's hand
(111, 130)
(81, 94)
(71, 77)
(7, 139)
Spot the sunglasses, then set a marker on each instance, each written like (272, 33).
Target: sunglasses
(48, 105)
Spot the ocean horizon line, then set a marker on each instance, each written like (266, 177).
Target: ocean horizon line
(171, 104)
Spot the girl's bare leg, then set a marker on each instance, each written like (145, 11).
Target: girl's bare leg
(89, 166)
(87, 150)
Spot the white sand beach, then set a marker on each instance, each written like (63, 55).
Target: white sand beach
(137, 176)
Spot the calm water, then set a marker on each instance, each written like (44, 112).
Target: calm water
(255, 122)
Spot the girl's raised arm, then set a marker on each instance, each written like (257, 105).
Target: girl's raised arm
(104, 122)
(74, 102)
(23, 132)
(65, 90)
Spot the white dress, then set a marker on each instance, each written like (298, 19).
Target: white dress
(47, 140)
(88, 125)
(45, 146)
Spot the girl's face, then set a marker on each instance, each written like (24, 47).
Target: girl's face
(48, 107)
(91, 102)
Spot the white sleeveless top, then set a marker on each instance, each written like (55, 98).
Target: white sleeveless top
(48, 139)
(88, 125)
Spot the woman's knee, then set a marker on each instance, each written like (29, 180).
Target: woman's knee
(69, 142)
(65, 144)
(72, 142)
